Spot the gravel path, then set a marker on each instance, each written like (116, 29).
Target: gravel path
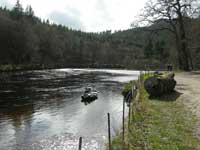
(189, 85)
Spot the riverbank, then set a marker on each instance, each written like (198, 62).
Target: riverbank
(9, 68)
(22, 67)
(160, 124)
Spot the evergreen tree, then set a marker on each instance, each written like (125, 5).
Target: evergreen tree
(148, 49)
(29, 11)
(17, 11)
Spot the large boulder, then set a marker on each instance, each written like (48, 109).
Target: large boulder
(158, 85)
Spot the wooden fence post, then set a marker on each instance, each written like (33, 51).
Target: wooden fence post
(123, 124)
(80, 143)
(129, 121)
(109, 136)
(129, 116)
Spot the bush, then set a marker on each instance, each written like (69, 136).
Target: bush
(128, 87)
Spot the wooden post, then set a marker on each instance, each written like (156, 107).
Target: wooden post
(129, 123)
(132, 92)
(109, 136)
(80, 143)
(132, 111)
(129, 116)
(140, 77)
(129, 112)
(123, 124)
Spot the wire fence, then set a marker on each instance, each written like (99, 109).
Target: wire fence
(130, 98)
(111, 121)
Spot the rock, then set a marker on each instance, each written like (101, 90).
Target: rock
(159, 85)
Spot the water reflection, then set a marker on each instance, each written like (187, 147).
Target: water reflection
(37, 105)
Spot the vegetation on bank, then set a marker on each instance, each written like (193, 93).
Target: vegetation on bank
(128, 87)
(8, 68)
(159, 124)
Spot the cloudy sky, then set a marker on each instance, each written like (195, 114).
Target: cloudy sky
(87, 15)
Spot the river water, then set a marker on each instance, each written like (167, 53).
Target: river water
(43, 109)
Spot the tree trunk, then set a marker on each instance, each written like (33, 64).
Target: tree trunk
(190, 60)
(184, 49)
(182, 36)
(180, 60)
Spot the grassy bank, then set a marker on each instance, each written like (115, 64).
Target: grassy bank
(159, 124)
(8, 68)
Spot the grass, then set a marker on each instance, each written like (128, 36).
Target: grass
(10, 67)
(145, 76)
(159, 124)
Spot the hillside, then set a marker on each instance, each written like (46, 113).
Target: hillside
(26, 39)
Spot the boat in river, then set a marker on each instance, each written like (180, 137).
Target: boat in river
(89, 94)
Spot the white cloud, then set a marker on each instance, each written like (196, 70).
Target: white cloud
(90, 15)
(71, 20)
(5, 3)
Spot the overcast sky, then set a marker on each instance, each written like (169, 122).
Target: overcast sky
(87, 15)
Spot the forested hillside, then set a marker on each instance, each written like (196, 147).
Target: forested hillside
(27, 40)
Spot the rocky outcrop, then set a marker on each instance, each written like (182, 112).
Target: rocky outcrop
(158, 85)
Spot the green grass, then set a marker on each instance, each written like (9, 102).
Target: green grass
(160, 124)
(146, 75)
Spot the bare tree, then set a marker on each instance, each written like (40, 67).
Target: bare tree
(172, 15)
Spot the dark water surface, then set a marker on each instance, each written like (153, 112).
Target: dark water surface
(43, 110)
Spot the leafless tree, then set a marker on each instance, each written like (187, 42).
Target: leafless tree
(172, 15)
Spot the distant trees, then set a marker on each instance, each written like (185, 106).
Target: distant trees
(26, 39)
(156, 50)
(160, 50)
(148, 49)
(172, 14)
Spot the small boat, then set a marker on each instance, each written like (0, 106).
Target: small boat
(90, 94)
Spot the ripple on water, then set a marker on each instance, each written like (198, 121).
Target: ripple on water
(36, 105)
(65, 142)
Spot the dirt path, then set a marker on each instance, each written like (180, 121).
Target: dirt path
(189, 85)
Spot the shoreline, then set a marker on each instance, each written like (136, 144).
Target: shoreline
(12, 68)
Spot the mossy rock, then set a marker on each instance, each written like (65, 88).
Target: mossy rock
(159, 85)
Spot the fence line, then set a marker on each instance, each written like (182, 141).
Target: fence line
(130, 113)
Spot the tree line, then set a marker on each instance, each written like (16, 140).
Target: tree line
(27, 40)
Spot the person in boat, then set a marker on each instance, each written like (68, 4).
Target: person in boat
(89, 94)
(88, 89)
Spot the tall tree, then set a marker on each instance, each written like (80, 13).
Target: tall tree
(171, 15)
(17, 11)
(29, 11)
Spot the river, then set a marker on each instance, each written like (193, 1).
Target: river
(42, 109)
